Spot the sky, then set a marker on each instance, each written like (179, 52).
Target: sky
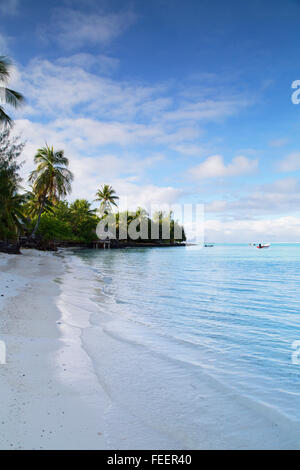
(168, 101)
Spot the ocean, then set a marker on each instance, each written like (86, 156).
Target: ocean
(195, 343)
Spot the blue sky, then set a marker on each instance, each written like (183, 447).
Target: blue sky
(168, 101)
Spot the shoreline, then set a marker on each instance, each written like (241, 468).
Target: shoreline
(39, 410)
(51, 395)
(81, 378)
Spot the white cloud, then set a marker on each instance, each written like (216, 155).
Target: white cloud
(83, 136)
(109, 170)
(216, 206)
(100, 62)
(105, 125)
(125, 171)
(125, 174)
(190, 149)
(98, 133)
(88, 135)
(118, 112)
(208, 110)
(74, 29)
(67, 87)
(9, 7)
(146, 195)
(278, 142)
(215, 167)
(279, 197)
(254, 230)
(290, 163)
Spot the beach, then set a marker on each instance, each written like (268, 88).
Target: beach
(50, 396)
(81, 377)
(38, 409)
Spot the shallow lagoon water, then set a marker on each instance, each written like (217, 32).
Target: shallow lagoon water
(227, 315)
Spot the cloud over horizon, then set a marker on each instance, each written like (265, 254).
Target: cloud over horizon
(290, 163)
(215, 167)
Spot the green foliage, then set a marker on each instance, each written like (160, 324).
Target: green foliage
(55, 220)
(74, 222)
(83, 220)
(33, 203)
(52, 227)
(11, 215)
(77, 222)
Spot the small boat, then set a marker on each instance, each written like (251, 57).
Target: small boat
(208, 245)
(265, 245)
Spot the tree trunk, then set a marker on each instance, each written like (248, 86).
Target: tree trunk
(39, 218)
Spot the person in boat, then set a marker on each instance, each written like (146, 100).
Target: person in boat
(259, 245)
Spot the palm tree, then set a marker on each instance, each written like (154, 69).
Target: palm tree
(51, 179)
(81, 208)
(107, 197)
(7, 96)
(11, 210)
(33, 203)
(12, 215)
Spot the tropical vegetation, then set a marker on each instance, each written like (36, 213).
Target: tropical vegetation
(43, 211)
(11, 201)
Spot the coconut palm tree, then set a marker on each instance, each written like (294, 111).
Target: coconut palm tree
(106, 195)
(7, 96)
(51, 180)
(81, 208)
(33, 203)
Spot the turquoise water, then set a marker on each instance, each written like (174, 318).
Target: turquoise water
(232, 311)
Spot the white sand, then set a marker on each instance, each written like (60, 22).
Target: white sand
(37, 410)
(50, 394)
(70, 383)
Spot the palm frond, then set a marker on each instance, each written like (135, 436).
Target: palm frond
(11, 97)
(4, 118)
(4, 68)
(8, 96)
